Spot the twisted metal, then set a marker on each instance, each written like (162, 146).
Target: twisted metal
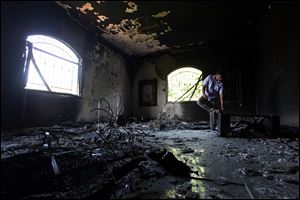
(116, 128)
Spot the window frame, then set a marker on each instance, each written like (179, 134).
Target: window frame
(27, 65)
(167, 93)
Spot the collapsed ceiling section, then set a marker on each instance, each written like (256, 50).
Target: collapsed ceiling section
(123, 24)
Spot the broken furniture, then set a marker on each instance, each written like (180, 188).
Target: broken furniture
(268, 124)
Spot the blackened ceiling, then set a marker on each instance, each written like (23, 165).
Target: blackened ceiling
(147, 27)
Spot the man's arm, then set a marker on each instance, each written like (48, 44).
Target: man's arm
(221, 97)
(203, 91)
(222, 102)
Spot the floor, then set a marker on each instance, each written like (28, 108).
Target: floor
(78, 166)
(270, 167)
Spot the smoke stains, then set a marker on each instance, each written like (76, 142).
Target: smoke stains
(132, 7)
(86, 6)
(161, 14)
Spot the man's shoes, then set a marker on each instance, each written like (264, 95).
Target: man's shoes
(214, 129)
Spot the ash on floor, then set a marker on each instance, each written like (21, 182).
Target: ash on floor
(87, 170)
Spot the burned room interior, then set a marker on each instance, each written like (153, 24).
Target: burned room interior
(104, 99)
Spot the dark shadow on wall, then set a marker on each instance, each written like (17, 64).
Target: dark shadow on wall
(277, 80)
(274, 94)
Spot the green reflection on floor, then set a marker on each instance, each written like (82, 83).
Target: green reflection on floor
(194, 162)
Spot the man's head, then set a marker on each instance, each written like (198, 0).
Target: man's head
(218, 75)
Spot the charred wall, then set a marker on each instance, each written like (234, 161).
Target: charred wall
(278, 70)
(104, 71)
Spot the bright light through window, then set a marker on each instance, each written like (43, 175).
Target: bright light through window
(58, 64)
(182, 80)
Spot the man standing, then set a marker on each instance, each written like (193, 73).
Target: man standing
(212, 97)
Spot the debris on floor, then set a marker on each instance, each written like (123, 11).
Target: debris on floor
(74, 162)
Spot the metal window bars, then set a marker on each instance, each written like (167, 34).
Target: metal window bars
(193, 86)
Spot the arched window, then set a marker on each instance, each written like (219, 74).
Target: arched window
(184, 84)
(52, 65)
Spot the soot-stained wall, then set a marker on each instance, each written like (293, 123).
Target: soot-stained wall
(184, 110)
(104, 71)
(105, 76)
(278, 71)
(228, 58)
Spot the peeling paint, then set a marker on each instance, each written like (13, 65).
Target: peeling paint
(129, 34)
(102, 18)
(135, 43)
(168, 29)
(86, 6)
(132, 7)
(161, 14)
(125, 25)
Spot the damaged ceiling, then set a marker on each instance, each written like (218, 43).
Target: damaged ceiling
(141, 28)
